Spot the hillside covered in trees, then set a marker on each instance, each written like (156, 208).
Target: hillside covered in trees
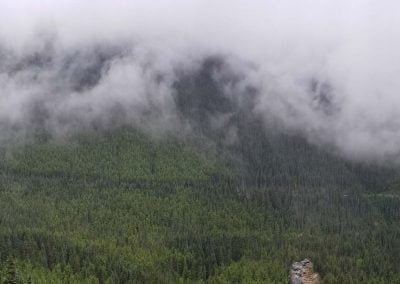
(120, 205)
(122, 208)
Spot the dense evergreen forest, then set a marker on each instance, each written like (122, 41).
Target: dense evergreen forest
(122, 206)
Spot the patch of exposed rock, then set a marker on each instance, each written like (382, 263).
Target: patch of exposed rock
(303, 273)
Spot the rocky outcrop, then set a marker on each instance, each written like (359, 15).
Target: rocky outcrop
(303, 273)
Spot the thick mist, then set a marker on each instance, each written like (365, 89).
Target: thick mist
(329, 70)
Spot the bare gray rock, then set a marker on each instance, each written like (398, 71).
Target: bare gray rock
(303, 273)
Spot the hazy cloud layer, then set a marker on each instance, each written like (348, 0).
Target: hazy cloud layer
(329, 69)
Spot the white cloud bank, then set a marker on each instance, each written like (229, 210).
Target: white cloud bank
(330, 69)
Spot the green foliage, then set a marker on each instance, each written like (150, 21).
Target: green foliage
(121, 156)
(122, 208)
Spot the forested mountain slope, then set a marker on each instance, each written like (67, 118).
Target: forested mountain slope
(121, 207)
(229, 202)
